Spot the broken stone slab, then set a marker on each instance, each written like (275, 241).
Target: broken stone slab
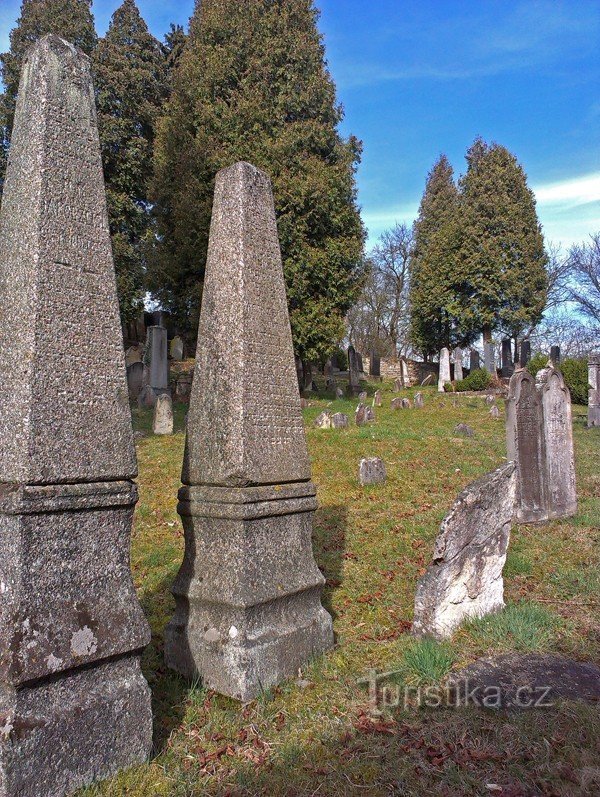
(75, 706)
(323, 420)
(163, 415)
(465, 577)
(521, 681)
(248, 610)
(464, 430)
(371, 470)
(339, 421)
(429, 380)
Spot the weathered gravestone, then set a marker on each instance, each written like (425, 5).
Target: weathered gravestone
(494, 412)
(362, 397)
(75, 706)
(405, 374)
(371, 470)
(323, 420)
(458, 364)
(163, 415)
(396, 404)
(248, 611)
(507, 368)
(135, 379)
(594, 390)
(339, 420)
(360, 415)
(419, 402)
(339, 393)
(156, 359)
(176, 349)
(464, 430)
(398, 385)
(540, 442)
(555, 355)
(353, 372)
(489, 358)
(406, 404)
(474, 361)
(377, 399)
(465, 577)
(525, 353)
(375, 365)
(444, 374)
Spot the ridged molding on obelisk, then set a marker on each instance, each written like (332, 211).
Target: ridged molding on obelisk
(248, 611)
(74, 706)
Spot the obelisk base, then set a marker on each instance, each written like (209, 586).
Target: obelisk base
(78, 728)
(250, 614)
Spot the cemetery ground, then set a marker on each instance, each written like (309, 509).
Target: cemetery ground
(316, 735)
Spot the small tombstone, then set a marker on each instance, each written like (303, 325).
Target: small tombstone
(490, 399)
(371, 470)
(444, 375)
(525, 353)
(508, 367)
(135, 379)
(419, 402)
(339, 421)
(323, 421)
(406, 404)
(176, 349)
(464, 430)
(369, 414)
(360, 415)
(593, 418)
(489, 358)
(396, 404)
(405, 374)
(429, 380)
(377, 399)
(494, 412)
(339, 393)
(465, 577)
(362, 397)
(555, 354)
(163, 415)
(458, 364)
(375, 365)
(146, 398)
(474, 360)
(398, 386)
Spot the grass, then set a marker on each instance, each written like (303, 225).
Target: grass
(372, 545)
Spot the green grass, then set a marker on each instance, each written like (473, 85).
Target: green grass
(372, 545)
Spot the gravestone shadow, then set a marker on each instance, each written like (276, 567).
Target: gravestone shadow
(329, 546)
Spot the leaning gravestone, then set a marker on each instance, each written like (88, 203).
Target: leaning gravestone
(465, 577)
(444, 375)
(540, 441)
(458, 363)
(248, 611)
(163, 415)
(75, 705)
(594, 390)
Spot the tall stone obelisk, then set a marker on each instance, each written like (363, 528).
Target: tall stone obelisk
(74, 706)
(248, 610)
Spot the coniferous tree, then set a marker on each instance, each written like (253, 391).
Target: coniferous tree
(130, 74)
(70, 19)
(438, 293)
(252, 84)
(502, 247)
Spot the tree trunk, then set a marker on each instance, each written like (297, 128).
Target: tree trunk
(487, 334)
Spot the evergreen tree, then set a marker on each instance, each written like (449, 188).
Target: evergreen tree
(70, 19)
(502, 247)
(252, 84)
(438, 293)
(130, 74)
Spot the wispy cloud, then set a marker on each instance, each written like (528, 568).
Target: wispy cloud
(571, 192)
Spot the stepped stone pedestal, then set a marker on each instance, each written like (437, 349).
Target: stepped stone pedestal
(74, 706)
(248, 611)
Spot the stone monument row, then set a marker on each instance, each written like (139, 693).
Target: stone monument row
(75, 706)
(248, 611)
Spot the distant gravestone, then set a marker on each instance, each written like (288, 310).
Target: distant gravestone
(330, 383)
(369, 414)
(353, 372)
(396, 404)
(593, 390)
(465, 577)
(508, 367)
(75, 705)
(375, 365)
(248, 612)
(490, 399)
(360, 415)
(555, 354)
(444, 375)
(176, 349)
(323, 420)
(406, 404)
(489, 358)
(405, 374)
(339, 421)
(474, 361)
(359, 362)
(494, 412)
(183, 387)
(398, 386)
(419, 403)
(156, 359)
(525, 353)
(371, 471)
(464, 430)
(339, 393)
(377, 399)
(146, 398)
(135, 379)
(458, 364)
(163, 415)
(362, 397)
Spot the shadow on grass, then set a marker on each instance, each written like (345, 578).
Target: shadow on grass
(329, 545)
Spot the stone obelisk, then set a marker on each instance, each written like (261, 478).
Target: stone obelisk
(248, 611)
(74, 705)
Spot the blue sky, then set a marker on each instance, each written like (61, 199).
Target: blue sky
(421, 77)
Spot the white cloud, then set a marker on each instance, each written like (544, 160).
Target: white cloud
(575, 191)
